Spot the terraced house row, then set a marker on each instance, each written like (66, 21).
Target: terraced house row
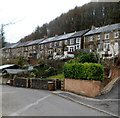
(105, 40)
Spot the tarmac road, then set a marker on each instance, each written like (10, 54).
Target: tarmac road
(32, 102)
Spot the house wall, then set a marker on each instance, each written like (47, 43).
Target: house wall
(106, 47)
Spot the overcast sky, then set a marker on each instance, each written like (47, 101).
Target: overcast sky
(28, 14)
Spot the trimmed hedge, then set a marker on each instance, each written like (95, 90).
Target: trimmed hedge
(85, 71)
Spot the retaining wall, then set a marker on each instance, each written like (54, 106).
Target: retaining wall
(84, 87)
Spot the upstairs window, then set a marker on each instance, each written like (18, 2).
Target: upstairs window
(91, 38)
(42, 46)
(50, 45)
(34, 47)
(60, 43)
(77, 40)
(116, 34)
(98, 37)
(71, 41)
(66, 42)
(107, 36)
(55, 44)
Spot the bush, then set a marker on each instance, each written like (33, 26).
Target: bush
(86, 71)
(35, 72)
(22, 61)
(86, 58)
(90, 58)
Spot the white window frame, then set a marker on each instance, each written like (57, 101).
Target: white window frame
(78, 40)
(107, 36)
(55, 44)
(116, 34)
(98, 37)
(34, 47)
(50, 45)
(71, 41)
(91, 38)
(66, 42)
(107, 45)
(42, 46)
(60, 43)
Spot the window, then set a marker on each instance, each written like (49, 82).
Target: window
(50, 45)
(77, 40)
(98, 37)
(34, 47)
(107, 36)
(91, 38)
(66, 42)
(116, 34)
(71, 41)
(77, 47)
(107, 45)
(71, 49)
(60, 43)
(42, 46)
(55, 43)
(98, 46)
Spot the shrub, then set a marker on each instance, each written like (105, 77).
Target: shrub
(90, 58)
(22, 61)
(86, 71)
(35, 72)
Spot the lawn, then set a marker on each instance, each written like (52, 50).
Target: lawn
(59, 76)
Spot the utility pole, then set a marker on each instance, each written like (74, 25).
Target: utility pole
(2, 37)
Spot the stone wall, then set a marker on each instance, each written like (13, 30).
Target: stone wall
(39, 84)
(21, 82)
(84, 87)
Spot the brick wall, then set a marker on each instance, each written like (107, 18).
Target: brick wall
(83, 87)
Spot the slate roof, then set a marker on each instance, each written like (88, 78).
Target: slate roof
(106, 28)
(35, 42)
(79, 33)
(57, 38)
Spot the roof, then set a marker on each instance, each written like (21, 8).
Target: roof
(6, 66)
(35, 42)
(79, 33)
(106, 28)
(57, 38)
(15, 71)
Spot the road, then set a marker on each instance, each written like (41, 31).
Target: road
(33, 102)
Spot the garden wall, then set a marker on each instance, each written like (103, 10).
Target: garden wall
(84, 87)
(21, 82)
(39, 84)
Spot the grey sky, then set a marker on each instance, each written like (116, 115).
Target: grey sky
(28, 14)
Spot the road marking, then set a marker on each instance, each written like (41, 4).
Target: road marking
(28, 106)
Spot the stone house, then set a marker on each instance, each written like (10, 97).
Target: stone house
(105, 40)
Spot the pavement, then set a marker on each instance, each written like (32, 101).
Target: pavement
(107, 103)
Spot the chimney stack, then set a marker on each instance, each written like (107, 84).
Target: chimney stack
(93, 27)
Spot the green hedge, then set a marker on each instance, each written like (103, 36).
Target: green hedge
(85, 71)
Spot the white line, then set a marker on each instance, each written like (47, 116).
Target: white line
(28, 106)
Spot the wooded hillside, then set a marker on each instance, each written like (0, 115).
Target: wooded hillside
(79, 18)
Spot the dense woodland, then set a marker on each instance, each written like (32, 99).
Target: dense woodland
(79, 18)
